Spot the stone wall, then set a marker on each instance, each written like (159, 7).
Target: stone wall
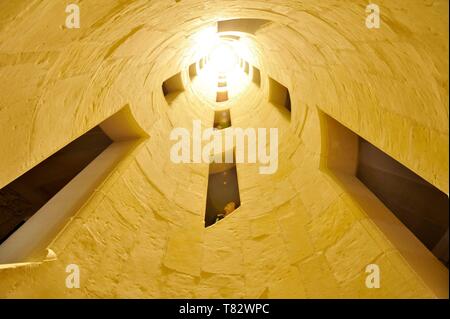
(297, 232)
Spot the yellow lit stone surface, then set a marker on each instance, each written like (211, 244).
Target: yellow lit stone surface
(296, 234)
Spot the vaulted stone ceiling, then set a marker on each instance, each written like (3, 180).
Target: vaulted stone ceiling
(298, 233)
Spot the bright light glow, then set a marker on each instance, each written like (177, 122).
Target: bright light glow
(204, 41)
(220, 59)
(223, 58)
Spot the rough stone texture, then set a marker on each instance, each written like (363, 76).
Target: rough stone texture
(296, 233)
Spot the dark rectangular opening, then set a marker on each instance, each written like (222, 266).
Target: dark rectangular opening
(222, 84)
(287, 102)
(172, 87)
(246, 67)
(222, 119)
(192, 71)
(23, 197)
(257, 76)
(365, 179)
(222, 96)
(279, 96)
(223, 192)
(416, 203)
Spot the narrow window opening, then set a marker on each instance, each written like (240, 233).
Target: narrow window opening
(257, 77)
(411, 212)
(223, 189)
(416, 203)
(222, 119)
(192, 71)
(279, 96)
(172, 87)
(246, 67)
(222, 84)
(287, 101)
(23, 197)
(222, 96)
(223, 192)
(36, 205)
